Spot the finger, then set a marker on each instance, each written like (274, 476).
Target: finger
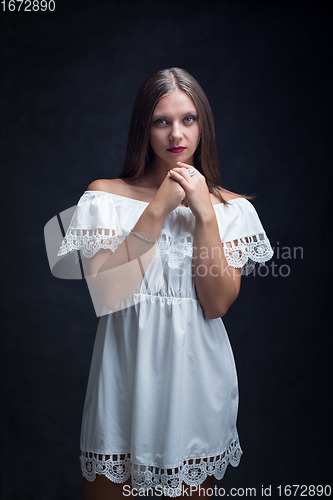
(178, 177)
(181, 171)
(187, 167)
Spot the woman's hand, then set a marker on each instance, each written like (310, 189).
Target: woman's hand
(195, 187)
(169, 195)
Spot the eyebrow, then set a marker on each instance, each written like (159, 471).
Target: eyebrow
(160, 115)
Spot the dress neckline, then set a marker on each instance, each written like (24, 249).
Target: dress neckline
(147, 202)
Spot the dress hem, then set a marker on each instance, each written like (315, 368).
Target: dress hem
(192, 472)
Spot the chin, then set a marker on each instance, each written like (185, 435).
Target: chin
(188, 159)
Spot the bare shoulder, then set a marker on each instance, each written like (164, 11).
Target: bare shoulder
(107, 185)
(122, 188)
(229, 195)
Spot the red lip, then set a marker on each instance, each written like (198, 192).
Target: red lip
(176, 150)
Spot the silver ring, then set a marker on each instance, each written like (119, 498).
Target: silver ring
(191, 171)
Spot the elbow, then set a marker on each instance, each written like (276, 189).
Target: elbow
(218, 310)
(215, 313)
(220, 307)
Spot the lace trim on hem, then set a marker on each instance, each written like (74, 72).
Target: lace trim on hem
(119, 467)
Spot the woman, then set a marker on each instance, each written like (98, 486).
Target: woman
(162, 395)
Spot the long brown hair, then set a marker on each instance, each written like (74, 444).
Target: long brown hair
(139, 153)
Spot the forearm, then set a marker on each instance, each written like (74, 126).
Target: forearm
(116, 275)
(214, 278)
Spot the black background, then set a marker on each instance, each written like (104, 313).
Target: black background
(68, 83)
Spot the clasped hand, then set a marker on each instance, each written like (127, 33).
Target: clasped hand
(195, 187)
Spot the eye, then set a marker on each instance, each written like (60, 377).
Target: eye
(190, 119)
(160, 121)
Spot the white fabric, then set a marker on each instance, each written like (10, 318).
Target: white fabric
(162, 387)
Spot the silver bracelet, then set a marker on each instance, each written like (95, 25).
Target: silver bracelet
(142, 238)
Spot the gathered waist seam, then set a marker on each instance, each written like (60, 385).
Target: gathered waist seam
(165, 297)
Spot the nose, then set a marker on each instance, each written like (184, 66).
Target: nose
(176, 133)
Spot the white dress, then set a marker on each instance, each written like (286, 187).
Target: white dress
(162, 396)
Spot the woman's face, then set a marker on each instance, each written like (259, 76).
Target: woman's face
(175, 132)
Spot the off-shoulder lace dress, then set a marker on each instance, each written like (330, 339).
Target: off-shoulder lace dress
(162, 397)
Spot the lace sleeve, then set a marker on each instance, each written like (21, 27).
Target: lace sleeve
(92, 231)
(244, 239)
(245, 252)
(94, 226)
(87, 228)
